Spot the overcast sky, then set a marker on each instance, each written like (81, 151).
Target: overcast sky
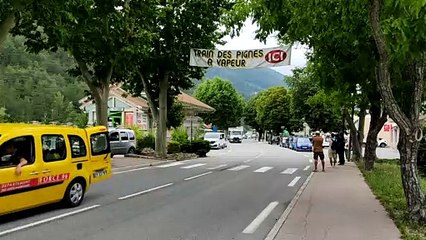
(246, 40)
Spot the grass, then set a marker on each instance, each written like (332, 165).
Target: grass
(385, 182)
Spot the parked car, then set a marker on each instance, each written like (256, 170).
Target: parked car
(382, 143)
(303, 144)
(122, 141)
(216, 140)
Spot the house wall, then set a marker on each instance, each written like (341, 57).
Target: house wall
(389, 132)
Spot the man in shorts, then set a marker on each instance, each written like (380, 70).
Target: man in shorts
(318, 151)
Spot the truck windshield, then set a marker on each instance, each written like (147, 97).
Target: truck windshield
(236, 133)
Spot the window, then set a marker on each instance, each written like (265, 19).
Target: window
(99, 143)
(114, 137)
(78, 147)
(131, 136)
(124, 136)
(12, 151)
(54, 148)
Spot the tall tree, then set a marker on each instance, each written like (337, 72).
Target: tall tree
(402, 57)
(250, 115)
(161, 68)
(95, 33)
(227, 102)
(273, 109)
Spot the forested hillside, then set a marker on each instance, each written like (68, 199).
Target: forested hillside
(37, 87)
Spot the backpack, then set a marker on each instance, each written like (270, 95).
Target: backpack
(334, 144)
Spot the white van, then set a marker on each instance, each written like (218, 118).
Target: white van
(216, 139)
(122, 141)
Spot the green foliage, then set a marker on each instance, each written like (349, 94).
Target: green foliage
(385, 182)
(173, 147)
(3, 115)
(180, 134)
(175, 115)
(145, 141)
(227, 102)
(186, 147)
(36, 87)
(200, 147)
(273, 109)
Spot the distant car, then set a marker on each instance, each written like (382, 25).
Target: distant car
(303, 144)
(122, 141)
(216, 140)
(382, 143)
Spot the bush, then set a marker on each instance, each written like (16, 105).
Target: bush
(173, 147)
(145, 141)
(200, 147)
(186, 147)
(180, 135)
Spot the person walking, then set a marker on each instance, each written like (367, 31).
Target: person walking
(341, 148)
(318, 150)
(332, 151)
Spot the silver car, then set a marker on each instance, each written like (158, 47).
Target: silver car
(122, 141)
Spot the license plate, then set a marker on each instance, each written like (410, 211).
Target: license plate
(100, 173)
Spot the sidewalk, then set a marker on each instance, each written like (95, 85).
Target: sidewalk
(126, 162)
(337, 205)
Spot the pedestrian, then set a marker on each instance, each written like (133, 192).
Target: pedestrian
(341, 148)
(318, 150)
(332, 151)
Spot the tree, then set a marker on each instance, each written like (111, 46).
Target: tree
(95, 33)
(3, 115)
(402, 57)
(227, 102)
(273, 109)
(175, 115)
(250, 115)
(160, 68)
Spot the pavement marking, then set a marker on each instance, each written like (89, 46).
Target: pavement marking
(289, 171)
(132, 170)
(275, 229)
(238, 168)
(292, 183)
(119, 156)
(220, 166)
(263, 169)
(170, 165)
(194, 165)
(306, 155)
(12, 230)
(197, 176)
(251, 228)
(249, 160)
(132, 166)
(145, 191)
(310, 160)
(306, 168)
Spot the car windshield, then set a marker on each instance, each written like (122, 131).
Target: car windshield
(303, 140)
(236, 133)
(211, 135)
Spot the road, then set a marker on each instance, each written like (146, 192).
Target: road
(235, 193)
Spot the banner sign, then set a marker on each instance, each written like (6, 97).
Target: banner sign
(255, 58)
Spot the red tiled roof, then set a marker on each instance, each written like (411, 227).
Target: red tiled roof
(188, 100)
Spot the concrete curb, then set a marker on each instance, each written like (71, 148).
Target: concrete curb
(274, 231)
(143, 165)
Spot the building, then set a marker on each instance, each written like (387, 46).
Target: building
(389, 131)
(126, 110)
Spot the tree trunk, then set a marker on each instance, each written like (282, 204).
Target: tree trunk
(356, 148)
(5, 26)
(162, 126)
(361, 125)
(376, 124)
(409, 125)
(101, 100)
(153, 107)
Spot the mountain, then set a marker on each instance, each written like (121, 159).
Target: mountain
(248, 81)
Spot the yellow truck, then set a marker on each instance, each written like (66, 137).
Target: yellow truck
(59, 164)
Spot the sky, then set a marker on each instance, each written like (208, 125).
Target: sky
(247, 40)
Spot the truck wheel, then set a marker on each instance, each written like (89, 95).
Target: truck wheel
(75, 193)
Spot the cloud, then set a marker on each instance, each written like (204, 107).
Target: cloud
(247, 40)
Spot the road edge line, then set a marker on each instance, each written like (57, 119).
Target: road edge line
(276, 228)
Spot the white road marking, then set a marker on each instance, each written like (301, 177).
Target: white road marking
(306, 155)
(310, 160)
(289, 171)
(249, 160)
(145, 191)
(118, 156)
(132, 166)
(220, 166)
(306, 168)
(194, 165)
(251, 228)
(263, 169)
(238, 168)
(132, 170)
(292, 183)
(197, 176)
(170, 165)
(48, 220)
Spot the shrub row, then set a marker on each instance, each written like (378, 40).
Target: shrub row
(199, 147)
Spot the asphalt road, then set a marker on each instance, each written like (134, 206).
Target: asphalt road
(235, 193)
